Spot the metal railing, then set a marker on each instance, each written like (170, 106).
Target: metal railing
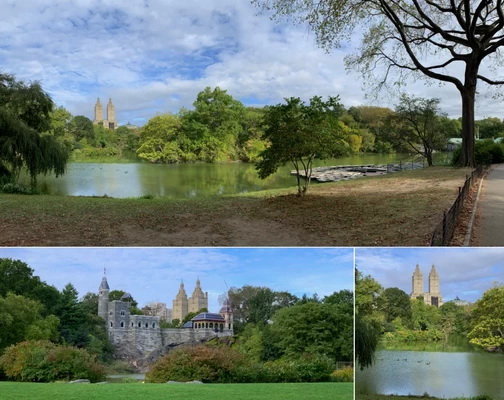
(443, 234)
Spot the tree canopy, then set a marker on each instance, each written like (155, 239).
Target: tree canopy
(447, 41)
(25, 114)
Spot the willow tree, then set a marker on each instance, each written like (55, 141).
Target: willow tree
(447, 40)
(24, 117)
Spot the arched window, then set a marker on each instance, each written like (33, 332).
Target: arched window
(122, 324)
(111, 324)
(123, 313)
(132, 324)
(146, 324)
(211, 325)
(111, 312)
(139, 324)
(153, 324)
(206, 325)
(221, 327)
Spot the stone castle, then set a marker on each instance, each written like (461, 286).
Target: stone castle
(140, 340)
(433, 296)
(110, 122)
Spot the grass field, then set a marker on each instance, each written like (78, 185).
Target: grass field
(134, 391)
(399, 209)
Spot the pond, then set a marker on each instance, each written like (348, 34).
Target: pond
(179, 180)
(440, 374)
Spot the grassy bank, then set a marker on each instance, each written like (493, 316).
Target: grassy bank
(399, 209)
(272, 391)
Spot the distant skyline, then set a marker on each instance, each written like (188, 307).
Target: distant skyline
(154, 274)
(463, 272)
(154, 56)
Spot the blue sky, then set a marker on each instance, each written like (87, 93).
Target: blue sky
(154, 56)
(154, 274)
(464, 272)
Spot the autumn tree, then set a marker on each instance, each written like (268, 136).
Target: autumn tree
(449, 41)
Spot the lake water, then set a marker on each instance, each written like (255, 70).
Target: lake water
(440, 374)
(179, 180)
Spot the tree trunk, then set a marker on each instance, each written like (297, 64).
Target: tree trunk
(428, 156)
(467, 156)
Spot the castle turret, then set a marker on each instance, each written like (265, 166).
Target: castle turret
(417, 283)
(103, 298)
(180, 304)
(198, 300)
(98, 113)
(227, 312)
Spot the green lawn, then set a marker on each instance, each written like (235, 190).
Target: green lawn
(393, 397)
(400, 209)
(253, 391)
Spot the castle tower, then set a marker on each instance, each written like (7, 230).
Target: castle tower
(98, 113)
(417, 283)
(434, 288)
(111, 122)
(198, 300)
(227, 312)
(103, 298)
(180, 304)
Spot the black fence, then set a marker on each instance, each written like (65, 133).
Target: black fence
(443, 234)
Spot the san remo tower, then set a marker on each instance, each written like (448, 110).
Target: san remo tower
(110, 122)
(433, 296)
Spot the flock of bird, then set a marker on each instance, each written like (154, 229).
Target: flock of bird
(405, 359)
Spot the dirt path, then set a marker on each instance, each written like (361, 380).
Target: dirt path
(394, 210)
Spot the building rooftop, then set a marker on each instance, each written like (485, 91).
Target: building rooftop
(208, 317)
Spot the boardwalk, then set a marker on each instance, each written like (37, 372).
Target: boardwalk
(490, 230)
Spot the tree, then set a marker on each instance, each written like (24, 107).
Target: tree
(403, 37)
(159, 140)
(299, 133)
(366, 341)
(81, 127)
(315, 328)
(191, 315)
(24, 115)
(420, 126)
(424, 316)
(17, 277)
(367, 294)
(490, 128)
(397, 304)
(72, 317)
(488, 320)
(21, 319)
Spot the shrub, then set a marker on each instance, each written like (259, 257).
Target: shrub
(486, 152)
(15, 188)
(43, 361)
(225, 365)
(207, 364)
(343, 375)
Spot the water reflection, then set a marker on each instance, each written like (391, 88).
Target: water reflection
(439, 374)
(179, 180)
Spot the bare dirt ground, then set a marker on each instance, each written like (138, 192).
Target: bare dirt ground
(399, 209)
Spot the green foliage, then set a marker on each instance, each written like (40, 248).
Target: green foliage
(24, 116)
(191, 315)
(487, 327)
(81, 127)
(490, 128)
(43, 361)
(367, 294)
(21, 319)
(299, 133)
(16, 188)
(343, 375)
(225, 365)
(396, 304)
(421, 125)
(315, 328)
(409, 336)
(17, 277)
(486, 151)
(366, 340)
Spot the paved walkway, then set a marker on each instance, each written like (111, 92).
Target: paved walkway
(490, 231)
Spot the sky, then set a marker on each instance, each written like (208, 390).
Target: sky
(463, 272)
(154, 274)
(154, 56)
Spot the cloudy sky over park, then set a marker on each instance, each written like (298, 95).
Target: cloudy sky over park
(463, 272)
(154, 274)
(154, 56)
